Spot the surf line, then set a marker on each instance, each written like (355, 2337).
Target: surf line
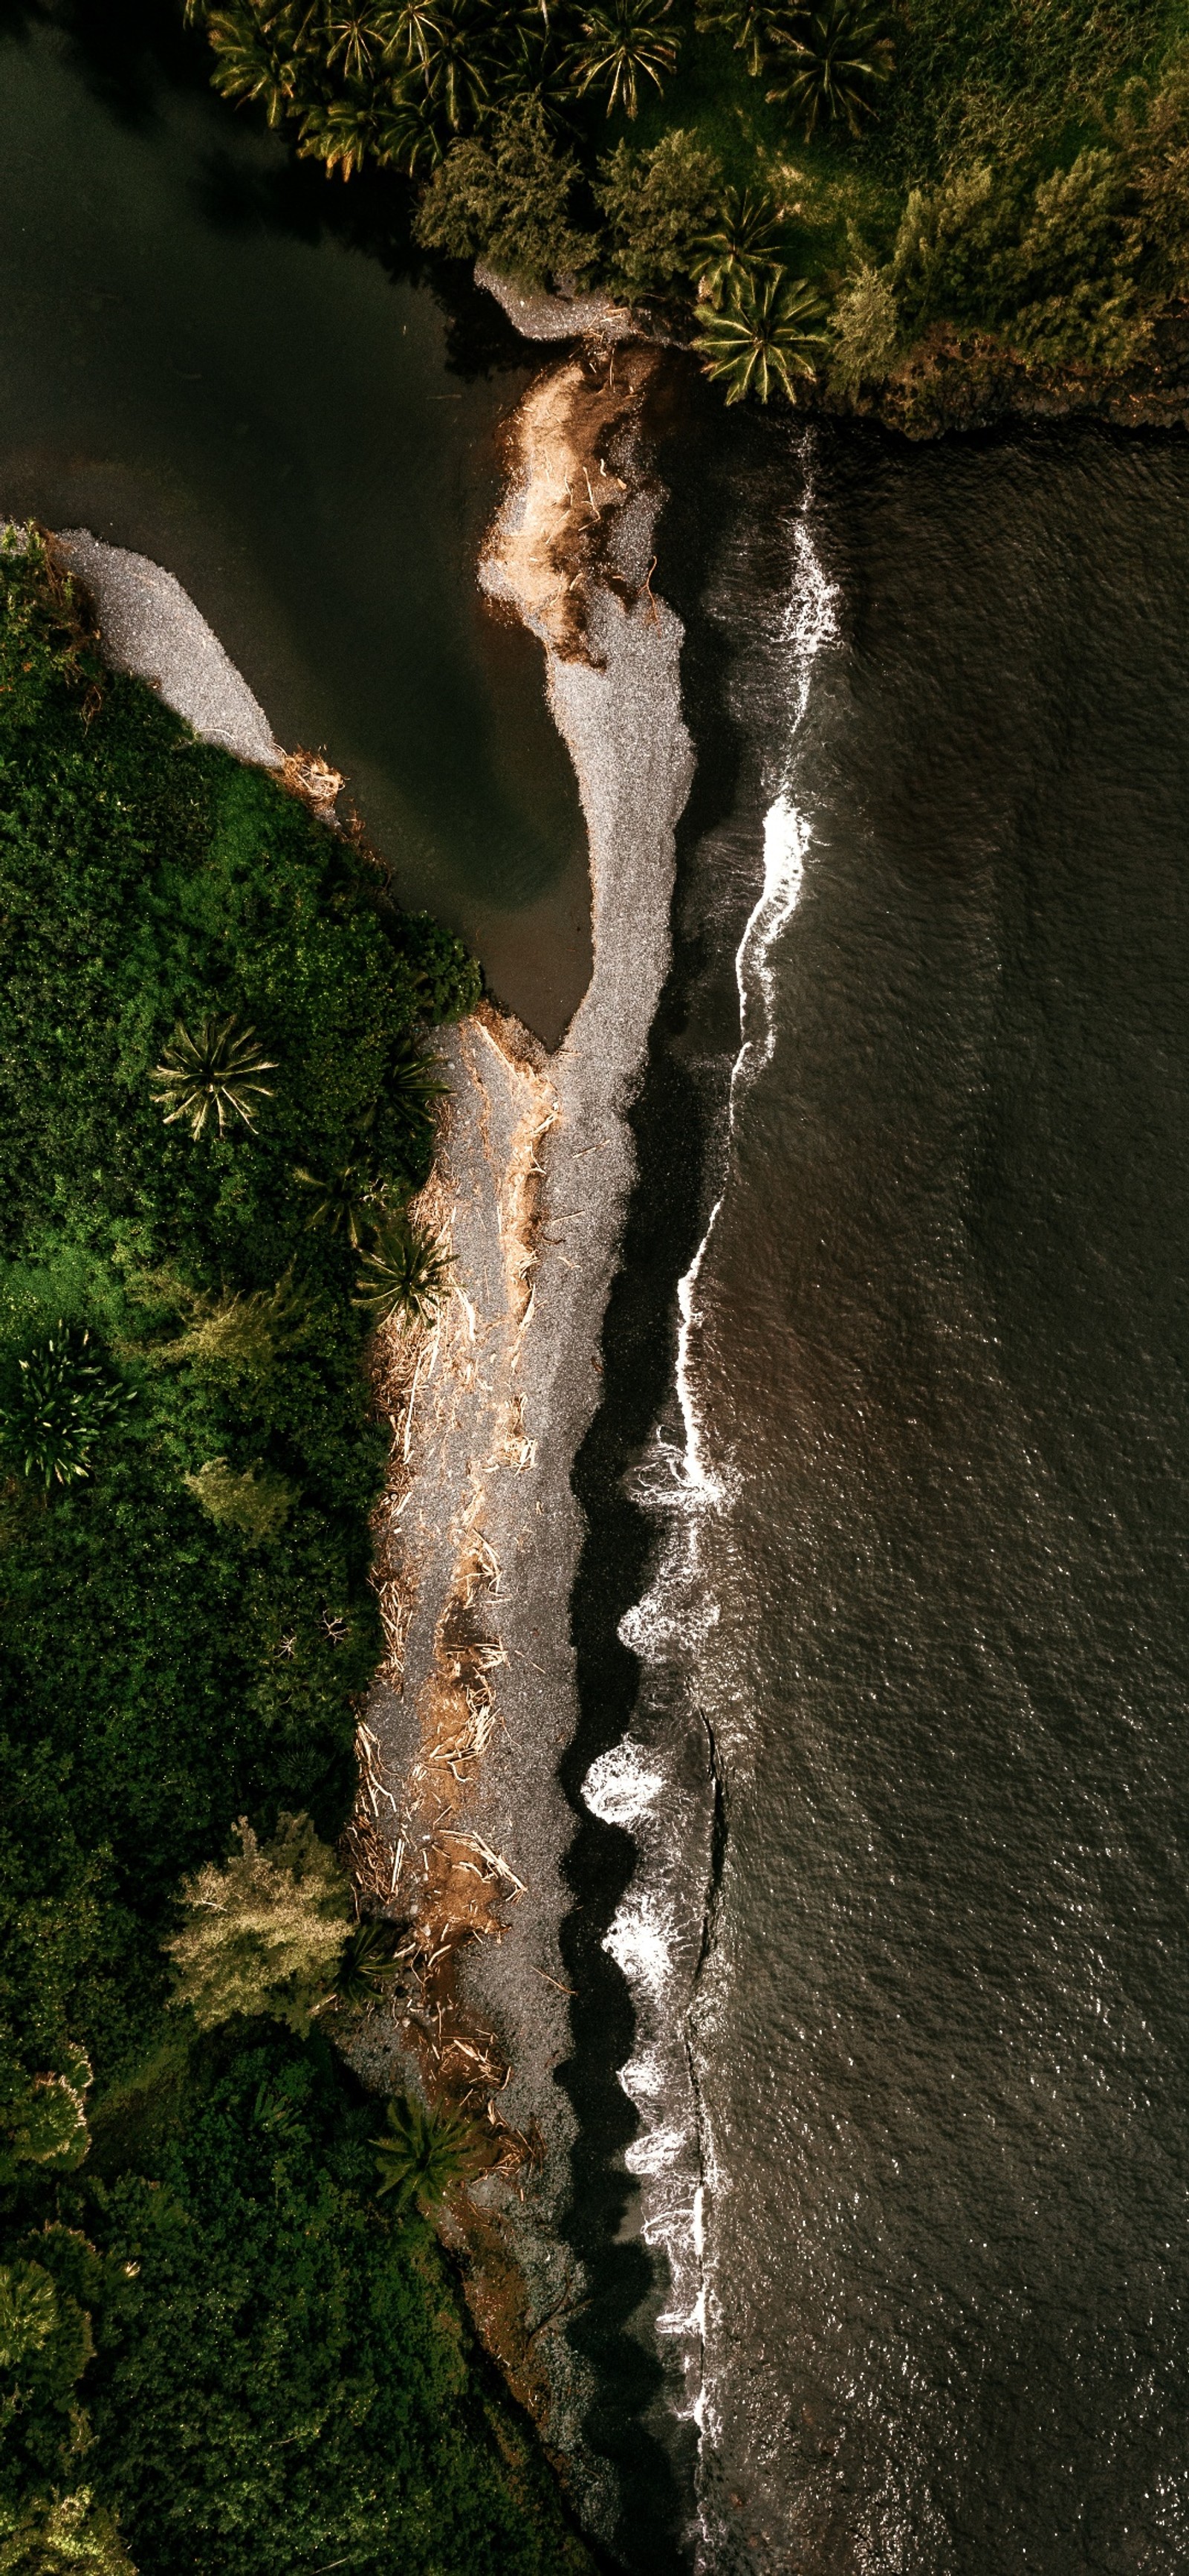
(638, 1783)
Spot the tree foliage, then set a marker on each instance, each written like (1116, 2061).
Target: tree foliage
(214, 2352)
(764, 336)
(658, 204)
(265, 1934)
(507, 195)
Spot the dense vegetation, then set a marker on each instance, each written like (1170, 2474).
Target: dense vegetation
(219, 2348)
(837, 183)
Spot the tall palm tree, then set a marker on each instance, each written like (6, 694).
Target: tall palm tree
(763, 336)
(349, 1200)
(750, 24)
(460, 61)
(60, 1401)
(390, 124)
(423, 2154)
(260, 51)
(832, 62)
(369, 1965)
(361, 37)
(747, 239)
(405, 1274)
(624, 43)
(218, 1068)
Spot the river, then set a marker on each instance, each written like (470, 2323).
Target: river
(202, 357)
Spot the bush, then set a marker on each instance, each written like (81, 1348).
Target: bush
(506, 198)
(658, 205)
(264, 1935)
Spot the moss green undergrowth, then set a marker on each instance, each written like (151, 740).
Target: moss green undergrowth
(216, 2352)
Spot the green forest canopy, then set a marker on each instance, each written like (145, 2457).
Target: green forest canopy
(217, 2350)
(1011, 168)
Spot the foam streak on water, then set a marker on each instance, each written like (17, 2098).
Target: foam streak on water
(657, 1935)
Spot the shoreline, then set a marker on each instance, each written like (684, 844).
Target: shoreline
(461, 1824)
(942, 386)
(480, 1546)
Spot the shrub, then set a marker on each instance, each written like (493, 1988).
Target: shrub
(659, 205)
(264, 1935)
(864, 327)
(254, 1504)
(506, 196)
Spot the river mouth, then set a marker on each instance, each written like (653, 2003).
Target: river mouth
(200, 364)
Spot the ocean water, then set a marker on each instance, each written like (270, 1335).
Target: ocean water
(908, 1932)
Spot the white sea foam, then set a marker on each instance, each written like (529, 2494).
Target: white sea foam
(620, 1787)
(656, 1935)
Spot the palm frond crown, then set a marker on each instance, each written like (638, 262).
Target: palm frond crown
(218, 1068)
(765, 335)
(623, 43)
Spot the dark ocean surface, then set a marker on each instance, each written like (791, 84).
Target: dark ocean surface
(921, 1570)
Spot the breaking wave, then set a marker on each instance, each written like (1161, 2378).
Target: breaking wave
(644, 1783)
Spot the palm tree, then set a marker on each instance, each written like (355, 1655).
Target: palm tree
(361, 37)
(369, 1965)
(748, 237)
(407, 1270)
(390, 125)
(424, 2154)
(348, 1202)
(835, 59)
(60, 1401)
(215, 1069)
(459, 55)
(763, 336)
(259, 53)
(624, 44)
(749, 24)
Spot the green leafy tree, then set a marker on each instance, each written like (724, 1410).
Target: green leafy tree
(658, 204)
(406, 1274)
(60, 1400)
(504, 196)
(766, 335)
(61, 2535)
(43, 2118)
(217, 1069)
(622, 44)
(832, 63)
(423, 2154)
(264, 1935)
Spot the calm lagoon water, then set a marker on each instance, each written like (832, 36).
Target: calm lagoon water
(193, 364)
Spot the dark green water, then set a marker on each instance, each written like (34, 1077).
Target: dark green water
(923, 1568)
(191, 364)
